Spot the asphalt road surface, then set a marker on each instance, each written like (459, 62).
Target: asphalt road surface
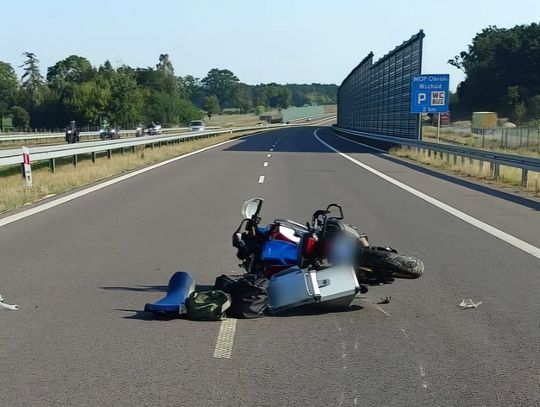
(82, 272)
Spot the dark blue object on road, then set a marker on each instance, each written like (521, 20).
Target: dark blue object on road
(181, 285)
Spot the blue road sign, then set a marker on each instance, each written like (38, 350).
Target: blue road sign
(429, 93)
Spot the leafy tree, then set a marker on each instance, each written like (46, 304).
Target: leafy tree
(190, 88)
(211, 105)
(74, 69)
(533, 107)
(88, 102)
(165, 64)
(243, 97)
(8, 88)
(170, 109)
(222, 83)
(498, 61)
(20, 117)
(31, 94)
(126, 101)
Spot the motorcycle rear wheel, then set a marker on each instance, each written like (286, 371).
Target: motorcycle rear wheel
(400, 265)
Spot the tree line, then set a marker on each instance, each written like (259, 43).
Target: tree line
(502, 68)
(73, 89)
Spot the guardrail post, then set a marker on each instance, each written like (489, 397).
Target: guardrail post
(455, 159)
(495, 171)
(524, 175)
(75, 160)
(93, 157)
(52, 165)
(122, 150)
(429, 153)
(133, 149)
(109, 154)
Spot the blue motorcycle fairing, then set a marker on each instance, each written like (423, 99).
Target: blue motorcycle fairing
(279, 252)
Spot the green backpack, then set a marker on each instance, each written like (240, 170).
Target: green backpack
(208, 305)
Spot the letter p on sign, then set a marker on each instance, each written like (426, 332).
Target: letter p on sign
(421, 98)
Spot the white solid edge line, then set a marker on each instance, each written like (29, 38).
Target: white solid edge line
(512, 240)
(43, 207)
(261, 179)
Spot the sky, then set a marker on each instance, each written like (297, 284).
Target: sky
(282, 41)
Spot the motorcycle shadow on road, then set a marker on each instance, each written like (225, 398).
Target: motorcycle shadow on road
(313, 311)
(142, 288)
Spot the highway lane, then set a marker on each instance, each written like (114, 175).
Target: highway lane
(80, 338)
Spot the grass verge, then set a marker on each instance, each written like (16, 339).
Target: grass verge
(492, 143)
(473, 168)
(14, 194)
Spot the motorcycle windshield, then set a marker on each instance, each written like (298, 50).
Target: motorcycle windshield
(280, 252)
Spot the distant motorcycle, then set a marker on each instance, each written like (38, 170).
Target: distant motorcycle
(72, 133)
(139, 131)
(109, 133)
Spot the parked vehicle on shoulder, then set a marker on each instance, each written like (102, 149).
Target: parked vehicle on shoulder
(196, 125)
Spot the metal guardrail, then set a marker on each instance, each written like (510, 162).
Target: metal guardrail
(14, 156)
(43, 136)
(50, 152)
(496, 159)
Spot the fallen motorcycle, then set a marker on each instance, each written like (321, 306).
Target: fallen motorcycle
(323, 243)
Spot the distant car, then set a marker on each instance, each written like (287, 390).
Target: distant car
(154, 130)
(109, 133)
(196, 125)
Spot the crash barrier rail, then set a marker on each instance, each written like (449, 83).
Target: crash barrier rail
(495, 159)
(40, 136)
(14, 156)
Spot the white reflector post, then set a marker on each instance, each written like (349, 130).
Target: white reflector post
(27, 167)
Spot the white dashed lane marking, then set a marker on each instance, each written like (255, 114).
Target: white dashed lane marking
(261, 179)
(225, 339)
(265, 164)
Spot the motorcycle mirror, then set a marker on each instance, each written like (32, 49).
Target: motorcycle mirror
(334, 205)
(251, 207)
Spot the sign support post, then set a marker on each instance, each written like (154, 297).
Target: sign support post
(438, 127)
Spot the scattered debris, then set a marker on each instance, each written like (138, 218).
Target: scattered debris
(468, 303)
(385, 300)
(3, 305)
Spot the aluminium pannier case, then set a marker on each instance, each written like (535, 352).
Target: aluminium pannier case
(331, 287)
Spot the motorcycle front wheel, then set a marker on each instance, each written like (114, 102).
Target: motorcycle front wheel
(400, 265)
